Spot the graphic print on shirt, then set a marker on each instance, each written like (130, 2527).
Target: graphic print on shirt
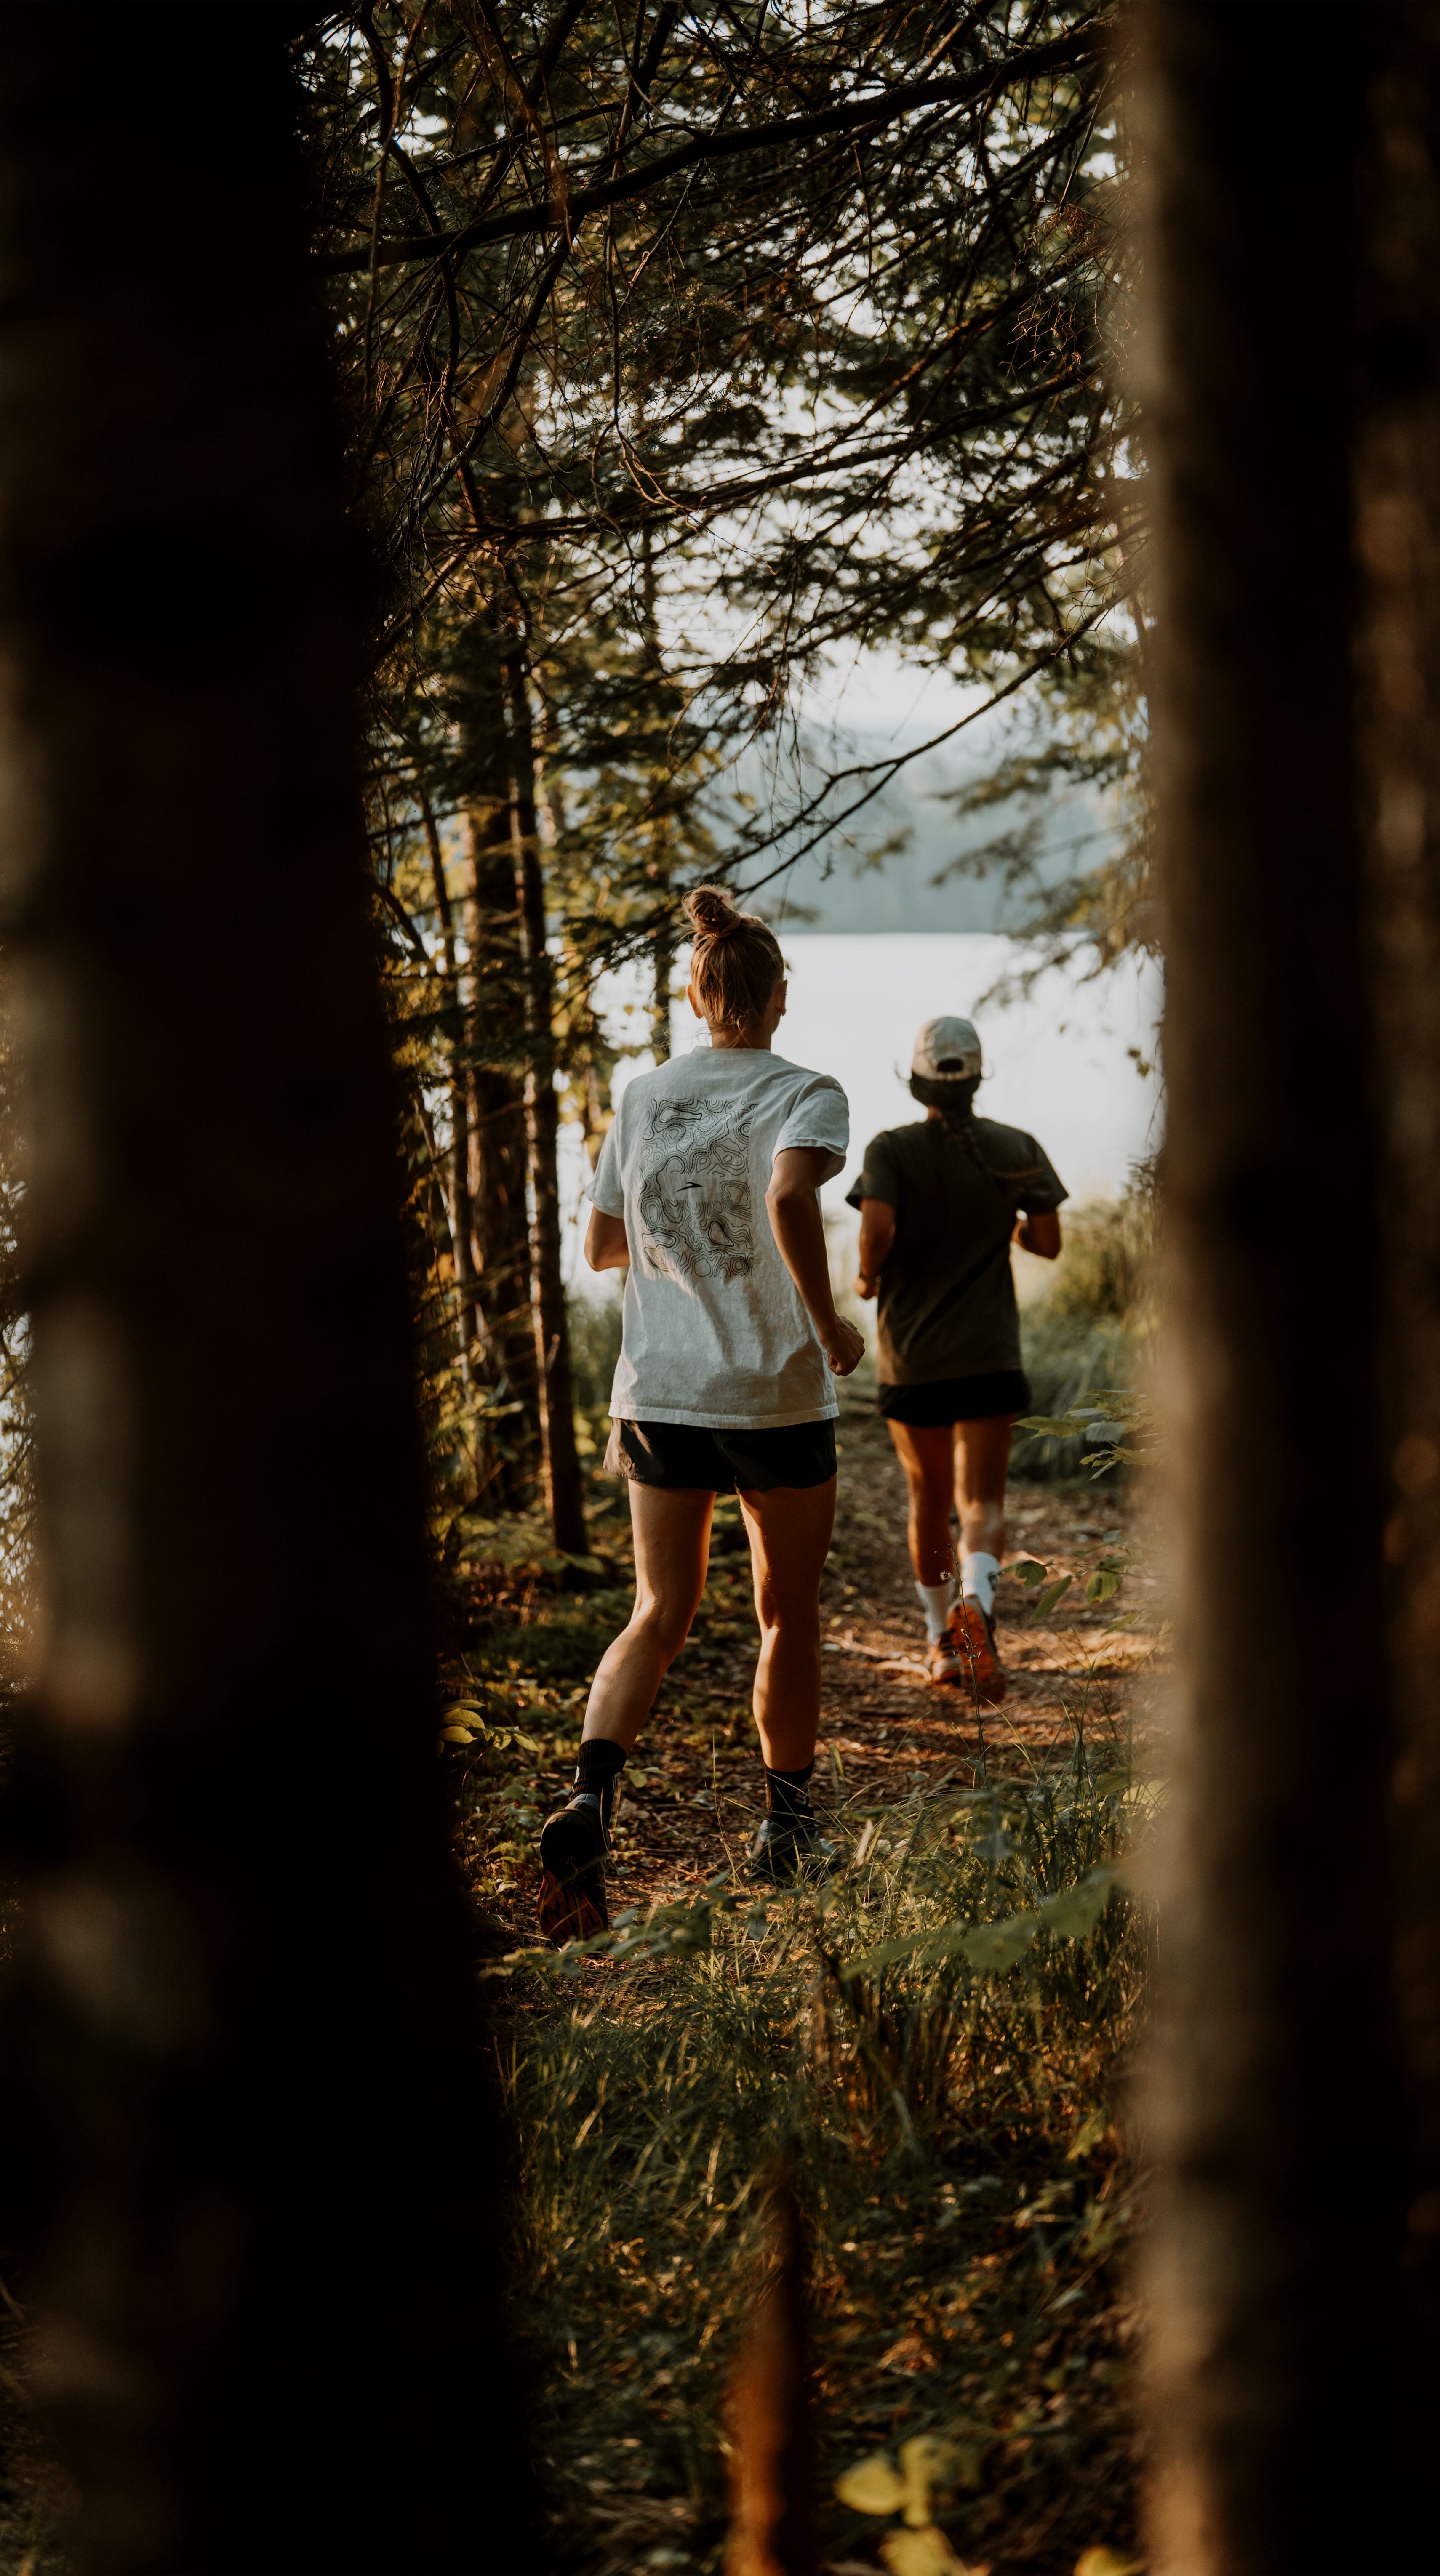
(695, 1189)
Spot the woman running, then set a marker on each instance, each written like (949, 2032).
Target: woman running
(707, 1195)
(941, 1200)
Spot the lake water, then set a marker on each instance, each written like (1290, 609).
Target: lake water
(1062, 1062)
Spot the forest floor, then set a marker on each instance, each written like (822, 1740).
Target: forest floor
(957, 2140)
(970, 2271)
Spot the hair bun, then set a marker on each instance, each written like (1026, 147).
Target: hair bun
(737, 962)
(712, 912)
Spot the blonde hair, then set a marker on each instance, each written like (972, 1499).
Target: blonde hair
(737, 962)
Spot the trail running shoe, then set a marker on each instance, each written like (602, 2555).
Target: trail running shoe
(786, 1849)
(943, 1660)
(973, 1638)
(572, 1902)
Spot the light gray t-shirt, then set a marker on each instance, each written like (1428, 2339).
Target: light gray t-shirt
(715, 1331)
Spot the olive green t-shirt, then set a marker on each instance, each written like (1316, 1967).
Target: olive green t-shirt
(946, 1305)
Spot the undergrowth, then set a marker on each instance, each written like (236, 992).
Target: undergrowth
(932, 2048)
(1090, 1326)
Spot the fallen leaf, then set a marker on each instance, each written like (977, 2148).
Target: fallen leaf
(920, 2553)
(911, 2353)
(872, 2486)
(924, 2459)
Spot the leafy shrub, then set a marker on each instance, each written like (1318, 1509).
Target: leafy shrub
(1103, 1269)
(1067, 1358)
(1090, 1326)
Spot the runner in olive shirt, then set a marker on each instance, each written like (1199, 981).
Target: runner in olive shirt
(941, 1201)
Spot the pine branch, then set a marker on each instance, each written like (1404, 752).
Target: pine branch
(850, 116)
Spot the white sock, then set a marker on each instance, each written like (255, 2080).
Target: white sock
(979, 1575)
(937, 1601)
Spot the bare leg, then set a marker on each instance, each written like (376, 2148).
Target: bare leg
(789, 1533)
(982, 1463)
(967, 1465)
(672, 1551)
(931, 1464)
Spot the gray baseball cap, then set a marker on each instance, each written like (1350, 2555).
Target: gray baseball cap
(947, 1050)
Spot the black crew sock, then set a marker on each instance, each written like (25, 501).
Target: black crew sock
(596, 1772)
(787, 1793)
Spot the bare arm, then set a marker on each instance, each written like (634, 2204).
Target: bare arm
(877, 1237)
(1039, 1234)
(607, 1245)
(793, 1202)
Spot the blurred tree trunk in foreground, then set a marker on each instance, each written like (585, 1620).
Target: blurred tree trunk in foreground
(1398, 495)
(1293, 368)
(248, 2142)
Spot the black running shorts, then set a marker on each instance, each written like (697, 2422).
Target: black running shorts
(687, 1458)
(943, 1400)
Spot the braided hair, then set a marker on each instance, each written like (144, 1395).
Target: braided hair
(953, 1094)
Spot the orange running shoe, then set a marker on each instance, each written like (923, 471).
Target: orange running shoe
(973, 1638)
(943, 1660)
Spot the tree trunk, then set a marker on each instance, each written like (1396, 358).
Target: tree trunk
(249, 2155)
(660, 997)
(461, 1222)
(497, 1121)
(1278, 2099)
(773, 2480)
(663, 962)
(1398, 523)
(564, 1492)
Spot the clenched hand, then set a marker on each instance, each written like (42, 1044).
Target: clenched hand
(844, 1347)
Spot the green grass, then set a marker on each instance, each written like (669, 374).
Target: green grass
(952, 2131)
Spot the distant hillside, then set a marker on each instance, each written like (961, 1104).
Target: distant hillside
(839, 887)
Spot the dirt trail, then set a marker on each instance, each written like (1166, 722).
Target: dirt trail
(693, 1787)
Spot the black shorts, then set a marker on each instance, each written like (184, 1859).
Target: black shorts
(943, 1400)
(692, 1459)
